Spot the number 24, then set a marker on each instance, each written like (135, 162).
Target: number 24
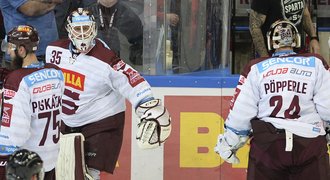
(294, 107)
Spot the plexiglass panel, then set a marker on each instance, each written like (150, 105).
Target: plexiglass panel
(185, 36)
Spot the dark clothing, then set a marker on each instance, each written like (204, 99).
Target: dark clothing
(279, 10)
(307, 160)
(103, 141)
(62, 11)
(119, 18)
(2, 27)
(50, 175)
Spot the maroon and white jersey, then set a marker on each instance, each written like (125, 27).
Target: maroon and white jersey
(32, 100)
(288, 90)
(96, 83)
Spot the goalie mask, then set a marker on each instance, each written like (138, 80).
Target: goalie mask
(24, 164)
(283, 34)
(81, 29)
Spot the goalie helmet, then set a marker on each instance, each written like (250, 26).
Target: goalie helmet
(23, 164)
(22, 35)
(155, 125)
(283, 34)
(81, 29)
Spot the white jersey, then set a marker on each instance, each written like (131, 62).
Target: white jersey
(32, 112)
(288, 90)
(96, 83)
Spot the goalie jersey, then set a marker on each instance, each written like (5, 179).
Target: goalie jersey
(32, 100)
(288, 90)
(96, 83)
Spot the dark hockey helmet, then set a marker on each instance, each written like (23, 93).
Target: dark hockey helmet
(283, 33)
(22, 35)
(23, 164)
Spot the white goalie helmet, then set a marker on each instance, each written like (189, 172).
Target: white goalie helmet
(155, 125)
(81, 29)
(283, 34)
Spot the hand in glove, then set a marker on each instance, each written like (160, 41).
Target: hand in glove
(227, 145)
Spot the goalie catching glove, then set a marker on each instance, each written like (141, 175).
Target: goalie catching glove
(154, 126)
(228, 144)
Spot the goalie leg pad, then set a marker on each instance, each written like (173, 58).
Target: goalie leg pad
(71, 161)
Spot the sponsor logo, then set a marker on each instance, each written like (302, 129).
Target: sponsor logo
(275, 72)
(43, 75)
(301, 72)
(315, 129)
(74, 79)
(143, 91)
(91, 154)
(23, 28)
(9, 93)
(83, 18)
(45, 88)
(6, 115)
(301, 61)
(7, 150)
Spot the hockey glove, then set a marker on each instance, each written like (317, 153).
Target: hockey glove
(154, 126)
(227, 145)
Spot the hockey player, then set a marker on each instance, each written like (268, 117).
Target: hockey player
(31, 101)
(97, 84)
(24, 164)
(284, 100)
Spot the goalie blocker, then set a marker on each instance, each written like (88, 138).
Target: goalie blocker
(154, 126)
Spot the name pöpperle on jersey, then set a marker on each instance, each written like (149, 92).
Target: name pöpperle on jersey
(47, 104)
(287, 85)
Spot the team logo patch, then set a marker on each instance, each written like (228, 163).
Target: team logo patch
(6, 114)
(134, 77)
(293, 10)
(241, 79)
(9, 93)
(233, 100)
(74, 79)
(119, 65)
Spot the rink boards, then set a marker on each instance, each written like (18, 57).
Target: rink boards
(198, 106)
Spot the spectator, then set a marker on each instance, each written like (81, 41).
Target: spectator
(2, 27)
(62, 11)
(112, 17)
(172, 16)
(24, 164)
(37, 13)
(286, 110)
(266, 12)
(32, 101)
(97, 84)
(2, 32)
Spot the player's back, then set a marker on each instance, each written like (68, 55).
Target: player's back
(32, 111)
